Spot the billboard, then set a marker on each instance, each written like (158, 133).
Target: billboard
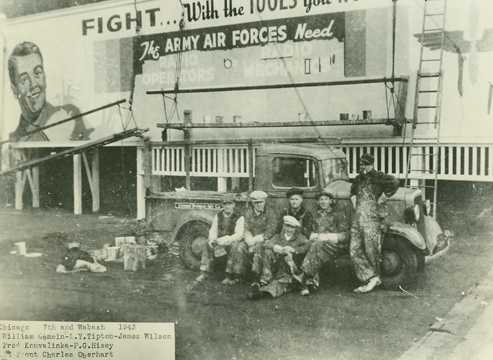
(111, 51)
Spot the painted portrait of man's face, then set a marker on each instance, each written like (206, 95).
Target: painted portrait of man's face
(29, 85)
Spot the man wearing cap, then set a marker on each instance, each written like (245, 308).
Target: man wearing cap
(298, 211)
(369, 189)
(226, 230)
(260, 226)
(281, 253)
(330, 239)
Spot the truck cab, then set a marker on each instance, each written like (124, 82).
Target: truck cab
(409, 236)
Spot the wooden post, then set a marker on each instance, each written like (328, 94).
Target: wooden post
(77, 184)
(187, 135)
(96, 192)
(19, 189)
(141, 183)
(250, 165)
(35, 186)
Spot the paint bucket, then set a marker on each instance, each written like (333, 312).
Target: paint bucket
(344, 116)
(21, 248)
(112, 253)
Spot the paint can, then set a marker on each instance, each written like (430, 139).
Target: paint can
(21, 248)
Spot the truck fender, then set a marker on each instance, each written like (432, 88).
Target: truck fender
(408, 232)
(192, 216)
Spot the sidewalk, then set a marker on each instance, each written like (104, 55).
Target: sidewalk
(465, 333)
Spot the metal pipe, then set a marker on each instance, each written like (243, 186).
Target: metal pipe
(275, 86)
(69, 119)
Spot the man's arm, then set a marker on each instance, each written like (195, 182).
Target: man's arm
(271, 225)
(301, 245)
(236, 236)
(239, 230)
(308, 224)
(213, 230)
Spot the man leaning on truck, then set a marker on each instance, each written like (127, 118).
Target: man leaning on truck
(225, 233)
(368, 190)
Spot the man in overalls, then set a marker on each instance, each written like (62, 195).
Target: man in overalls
(369, 189)
(330, 239)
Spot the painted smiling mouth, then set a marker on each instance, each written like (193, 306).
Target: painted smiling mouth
(35, 94)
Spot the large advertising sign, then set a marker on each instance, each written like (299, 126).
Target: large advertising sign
(60, 65)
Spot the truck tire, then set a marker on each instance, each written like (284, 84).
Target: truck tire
(399, 262)
(192, 237)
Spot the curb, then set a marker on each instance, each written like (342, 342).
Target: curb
(449, 336)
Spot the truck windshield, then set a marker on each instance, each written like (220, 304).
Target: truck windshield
(294, 172)
(335, 169)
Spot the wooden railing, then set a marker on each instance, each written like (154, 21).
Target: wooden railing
(206, 161)
(461, 162)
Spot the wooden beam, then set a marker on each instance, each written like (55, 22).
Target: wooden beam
(77, 184)
(96, 193)
(19, 189)
(35, 186)
(300, 140)
(255, 124)
(141, 182)
(78, 149)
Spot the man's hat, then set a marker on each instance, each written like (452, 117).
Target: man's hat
(325, 193)
(294, 191)
(366, 159)
(291, 221)
(228, 198)
(258, 195)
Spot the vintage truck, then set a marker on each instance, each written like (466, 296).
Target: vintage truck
(412, 235)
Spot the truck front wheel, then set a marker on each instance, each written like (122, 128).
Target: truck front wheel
(192, 238)
(399, 262)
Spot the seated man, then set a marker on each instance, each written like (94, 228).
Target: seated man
(75, 260)
(330, 240)
(297, 210)
(260, 226)
(281, 254)
(225, 232)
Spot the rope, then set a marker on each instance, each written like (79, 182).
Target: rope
(296, 90)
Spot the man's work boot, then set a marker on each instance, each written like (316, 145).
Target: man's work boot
(203, 276)
(369, 286)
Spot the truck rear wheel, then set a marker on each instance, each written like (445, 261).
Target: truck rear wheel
(399, 262)
(192, 237)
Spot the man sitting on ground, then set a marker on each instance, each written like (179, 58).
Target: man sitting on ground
(297, 210)
(329, 241)
(281, 254)
(225, 233)
(260, 226)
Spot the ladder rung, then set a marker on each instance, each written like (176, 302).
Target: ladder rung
(435, 14)
(428, 91)
(427, 107)
(433, 29)
(431, 60)
(428, 75)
